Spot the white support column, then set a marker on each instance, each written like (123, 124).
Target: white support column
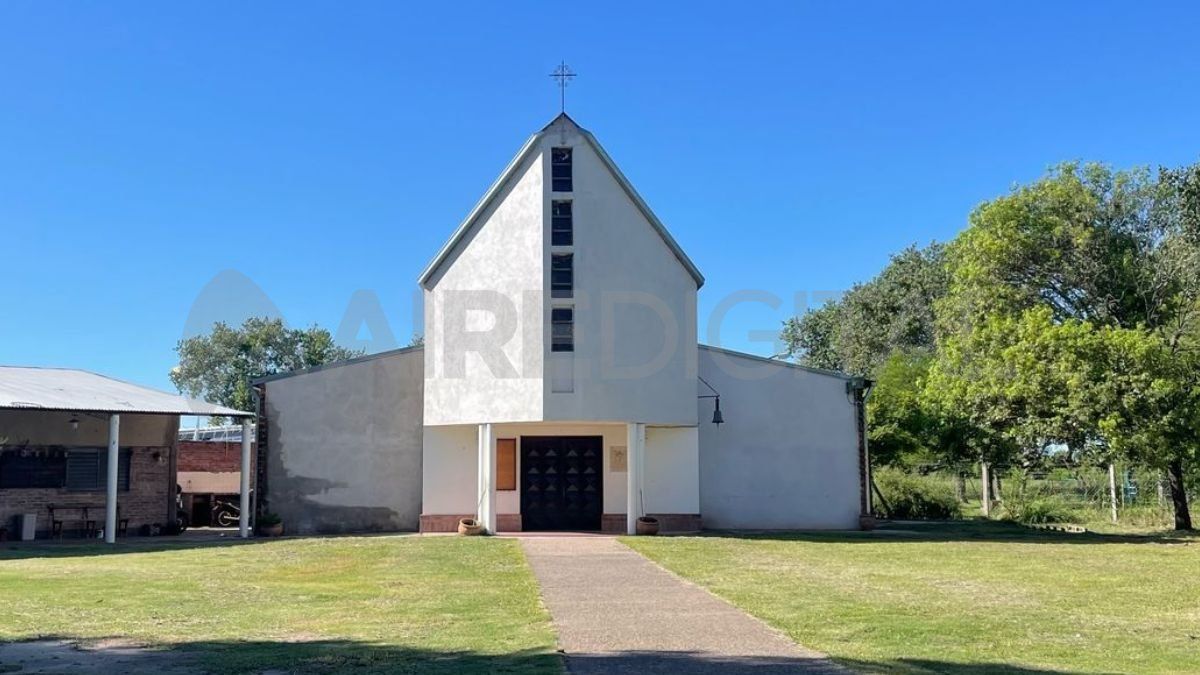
(635, 441)
(480, 478)
(114, 467)
(487, 478)
(244, 501)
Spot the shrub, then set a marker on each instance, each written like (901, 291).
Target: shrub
(1038, 509)
(269, 519)
(909, 497)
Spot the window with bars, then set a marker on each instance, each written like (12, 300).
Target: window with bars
(562, 227)
(562, 275)
(88, 469)
(74, 469)
(560, 170)
(562, 329)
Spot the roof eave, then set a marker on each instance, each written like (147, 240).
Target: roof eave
(777, 362)
(226, 412)
(335, 364)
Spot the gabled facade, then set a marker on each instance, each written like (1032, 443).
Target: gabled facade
(581, 255)
(562, 386)
(561, 308)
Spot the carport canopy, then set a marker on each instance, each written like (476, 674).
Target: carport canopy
(81, 391)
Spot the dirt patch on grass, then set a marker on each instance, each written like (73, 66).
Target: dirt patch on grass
(64, 657)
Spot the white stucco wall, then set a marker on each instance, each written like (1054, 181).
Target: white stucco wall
(787, 455)
(449, 470)
(501, 256)
(672, 470)
(344, 445)
(635, 303)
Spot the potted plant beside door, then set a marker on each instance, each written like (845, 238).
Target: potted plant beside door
(270, 525)
(647, 525)
(469, 527)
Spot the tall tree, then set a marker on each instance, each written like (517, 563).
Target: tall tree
(1111, 258)
(894, 311)
(219, 366)
(813, 337)
(884, 329)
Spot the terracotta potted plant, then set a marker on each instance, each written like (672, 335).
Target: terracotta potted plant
(469, 527)
(270, 525)
(647, 525)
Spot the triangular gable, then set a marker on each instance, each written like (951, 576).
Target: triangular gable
(509, 172)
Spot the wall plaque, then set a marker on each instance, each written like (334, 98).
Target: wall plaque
(618, 456)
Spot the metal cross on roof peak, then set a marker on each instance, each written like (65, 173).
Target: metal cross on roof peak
(564, 75)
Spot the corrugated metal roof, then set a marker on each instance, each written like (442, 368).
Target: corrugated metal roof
(28, 388)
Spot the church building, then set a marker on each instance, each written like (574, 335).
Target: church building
(561, 387)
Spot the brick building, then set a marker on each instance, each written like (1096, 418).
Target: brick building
(83, 454)
(47, 461)
(209, 474)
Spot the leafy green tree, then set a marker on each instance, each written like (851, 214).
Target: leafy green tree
(893, 311)
(813, 337)
(884, 329)
(904, 425)
(1067, 241)
(219, 366)
(897, 422)
(1052, 287)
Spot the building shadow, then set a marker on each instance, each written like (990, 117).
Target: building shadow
(59, 654)
(78, 547)
(63, 654)
(84, 548)
(664, 663)
(931, 667)
(965, 531)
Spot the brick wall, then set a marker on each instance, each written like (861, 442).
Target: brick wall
(214, 456)
(145, 502)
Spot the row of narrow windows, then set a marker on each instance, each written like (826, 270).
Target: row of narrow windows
(562, 265)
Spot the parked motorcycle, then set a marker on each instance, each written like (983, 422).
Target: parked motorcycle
(226, 513)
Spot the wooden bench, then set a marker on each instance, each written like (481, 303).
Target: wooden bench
(86, 521)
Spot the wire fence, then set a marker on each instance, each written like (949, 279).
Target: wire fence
(1143, 494)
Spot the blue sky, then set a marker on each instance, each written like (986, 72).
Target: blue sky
(325, 148)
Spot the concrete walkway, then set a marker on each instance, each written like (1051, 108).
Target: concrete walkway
(617, 612)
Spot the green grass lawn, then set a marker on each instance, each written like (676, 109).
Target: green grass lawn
(965, 599)
(363, 604)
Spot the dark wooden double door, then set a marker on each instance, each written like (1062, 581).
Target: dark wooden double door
(561, 482)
